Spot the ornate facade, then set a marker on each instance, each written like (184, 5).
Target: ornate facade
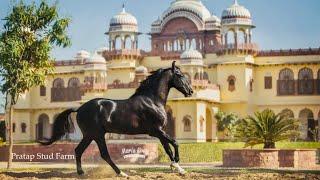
(225, 67)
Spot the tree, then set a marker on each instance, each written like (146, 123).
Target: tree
(227, 123)
(29, 34)
(267, 128)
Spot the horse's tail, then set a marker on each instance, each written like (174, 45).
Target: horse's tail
(62, 125)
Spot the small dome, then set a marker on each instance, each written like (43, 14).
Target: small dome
(156, 22)
(123, 18)
(213, 19)
(82, 54)
(236, 11)
(96, 58)
(141, 69)
(191, 54)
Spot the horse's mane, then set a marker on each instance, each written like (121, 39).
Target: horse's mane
(150, 82)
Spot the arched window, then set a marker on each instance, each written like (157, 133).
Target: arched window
(197, 76)
(58, 83)
(241, 36)
(23, 127)
(287, 112)
(13, 127)
(230, 39)
(286, 82)
(74, 82)
(43, 127)
(118, 43)
(231, 83)
(187, 123)
(305, 83)
(193, 44)
(128, 42)
(307, 124)
(205, 76)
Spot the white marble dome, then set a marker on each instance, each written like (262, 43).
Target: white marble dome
(82, 54)
(96, 58)
(141, 70)
(213, 19)
(191, 54)
(123, 18)
(236, 11)
(194, 6)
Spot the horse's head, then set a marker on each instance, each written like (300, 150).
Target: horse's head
(180, 81)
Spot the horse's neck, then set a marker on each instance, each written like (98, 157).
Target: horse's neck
(162, 90)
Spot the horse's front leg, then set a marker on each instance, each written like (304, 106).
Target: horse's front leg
(165, 140)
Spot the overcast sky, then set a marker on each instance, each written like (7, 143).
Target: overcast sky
(280, 23)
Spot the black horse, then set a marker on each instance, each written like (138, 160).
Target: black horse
(143, 113)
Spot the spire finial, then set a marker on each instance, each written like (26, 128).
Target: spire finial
(235, 2)
(123, 8)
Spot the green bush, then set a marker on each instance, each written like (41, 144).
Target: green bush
(266, 128)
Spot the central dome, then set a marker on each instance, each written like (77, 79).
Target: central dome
(191, 54)
(194, 6)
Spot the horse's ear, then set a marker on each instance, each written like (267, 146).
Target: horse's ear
(173, 66)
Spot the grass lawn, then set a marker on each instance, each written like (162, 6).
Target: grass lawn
(212, 152)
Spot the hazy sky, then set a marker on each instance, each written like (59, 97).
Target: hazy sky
(280, 23)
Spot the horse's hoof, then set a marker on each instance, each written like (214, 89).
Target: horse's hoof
(122, 174)
(80, 172)
(182, 172)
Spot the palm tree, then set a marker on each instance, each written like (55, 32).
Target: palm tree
(266, 128)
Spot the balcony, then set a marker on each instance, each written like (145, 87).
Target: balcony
(205, 84)
(94, 87)
(122, 53)
(298, 87)
(245, 48)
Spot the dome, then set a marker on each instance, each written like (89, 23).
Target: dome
(213, 19)
(194, 6)
(82, 54)
(156, 22)
(123, 18)
(236, 11)
(141, 69)
(96, 58)
(191, 54)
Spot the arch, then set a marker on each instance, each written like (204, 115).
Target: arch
(188, 44)
(198, 23)
(58, 83)
(305, 83)
(231, 83)
(170, 127)
(127, 42)
(43, 127)
(74, 82)
(307, 124)
(117, 43)
(287, 112)
(193, 44)
(230, 37)
(286, 83)
(286, 74)
(187, 119)
(241, 36)
(205, 76)
(23, 127)
(197, 76)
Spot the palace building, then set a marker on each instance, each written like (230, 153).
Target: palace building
(224, 64)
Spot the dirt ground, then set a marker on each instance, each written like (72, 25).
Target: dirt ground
(159, 173)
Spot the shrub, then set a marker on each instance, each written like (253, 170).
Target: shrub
(266, 128)
(226, 123)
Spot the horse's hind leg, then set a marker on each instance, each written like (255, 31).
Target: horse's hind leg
(105, 155)
(82, 146)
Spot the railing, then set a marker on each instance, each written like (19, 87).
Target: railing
(204, 84)
(245, 48)
(68, 62)
(94, 86)
(124, 52)
(65, 94)
(298, 87)
(119, 85)
(290, 52)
